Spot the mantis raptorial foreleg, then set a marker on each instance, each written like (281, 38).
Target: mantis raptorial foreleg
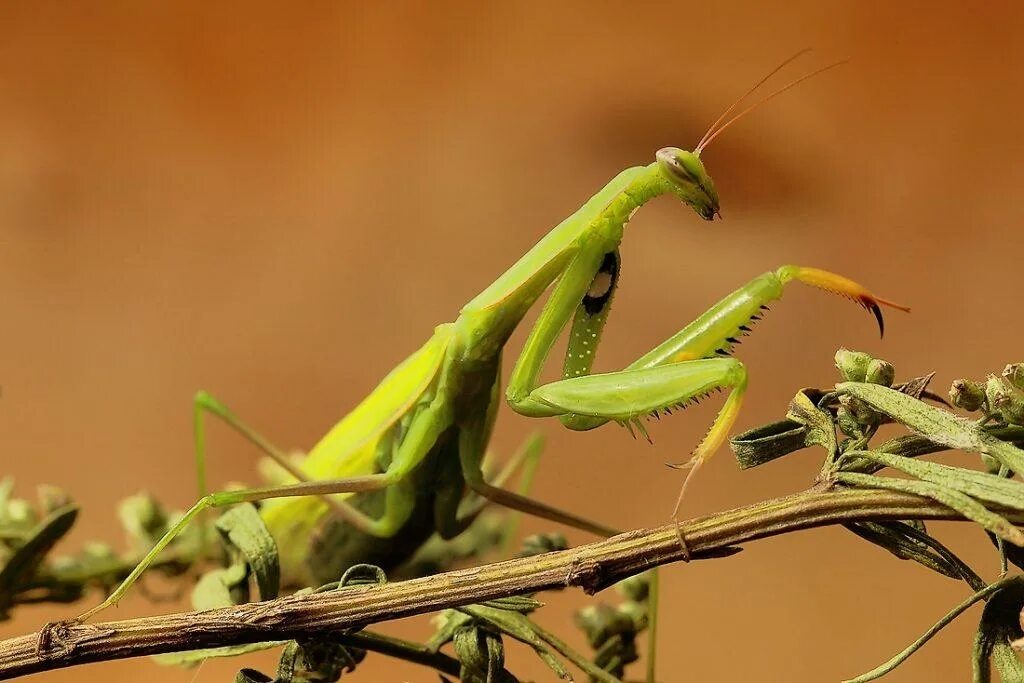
(681, 369)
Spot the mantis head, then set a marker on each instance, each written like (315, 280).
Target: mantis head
(684, 170)
(688, 179)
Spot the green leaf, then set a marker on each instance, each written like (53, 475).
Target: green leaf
(821, 430)
(482, 655)
(28, 557)
(965, 505)
(363, 575)
(243, 528)
(252, 676)
(545, 644)
(191, 658)
(215, 588)
(448, 622)
(898, 538)
(317, 659)
(515, 603)
(936, 424)
(980, 485)
(1000, 623)
(143, 519)
(768, 442)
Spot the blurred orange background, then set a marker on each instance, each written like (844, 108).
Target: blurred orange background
(277, 202)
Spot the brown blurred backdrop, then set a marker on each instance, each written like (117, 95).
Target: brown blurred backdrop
(278, 203)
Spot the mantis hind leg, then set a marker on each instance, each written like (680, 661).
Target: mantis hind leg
(423, 433)
(204, 403)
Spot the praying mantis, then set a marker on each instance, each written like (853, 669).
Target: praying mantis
(416, 443)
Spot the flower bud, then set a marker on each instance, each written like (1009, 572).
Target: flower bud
(1006, 400)
(861, 412)
(853, 365)
(1014, 374)
(848, 423)
(880, 372)
(966, 395)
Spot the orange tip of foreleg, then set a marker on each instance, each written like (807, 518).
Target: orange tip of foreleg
(843, 286)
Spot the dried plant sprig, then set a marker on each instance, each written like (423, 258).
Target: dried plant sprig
(851, 490)
(844, 421)
(591, 567)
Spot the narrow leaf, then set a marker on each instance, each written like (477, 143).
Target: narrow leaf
(936, 424)
(26, 559)
(965, 505)
(214, 588)
(893, 537)
(243, 528)
(980, 485)
(821, 430)
(252, 676)
(768, 442)
(999, 625)
(522, 629)
(191, 658)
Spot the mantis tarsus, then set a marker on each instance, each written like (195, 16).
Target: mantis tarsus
(440, 404)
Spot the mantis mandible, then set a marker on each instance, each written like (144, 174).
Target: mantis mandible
(439, 405)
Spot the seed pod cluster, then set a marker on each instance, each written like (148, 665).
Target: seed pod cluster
(612, 630)
(853, 415)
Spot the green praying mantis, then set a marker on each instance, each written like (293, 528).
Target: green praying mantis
(415, 445)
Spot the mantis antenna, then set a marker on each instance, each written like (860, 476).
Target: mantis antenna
(708, 138)
(747, 94)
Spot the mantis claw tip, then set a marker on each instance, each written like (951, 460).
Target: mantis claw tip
(877, 311)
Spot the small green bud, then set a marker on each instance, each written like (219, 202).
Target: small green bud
(848, 423)
(1014, 374)
(853, 365)
(637, 613)
(20, 513)
(635, 588)
(966, 395)
(98, 551)
(143, 519)
(52, 498)
(538, 544)
(880, 372)
(863, 414)
(601, 622)
(1006, 400)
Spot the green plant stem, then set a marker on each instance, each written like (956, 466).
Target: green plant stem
(591, 567)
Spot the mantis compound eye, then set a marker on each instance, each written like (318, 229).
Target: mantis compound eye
(672, 162)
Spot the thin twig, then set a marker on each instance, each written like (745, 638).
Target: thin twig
(591, 567)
